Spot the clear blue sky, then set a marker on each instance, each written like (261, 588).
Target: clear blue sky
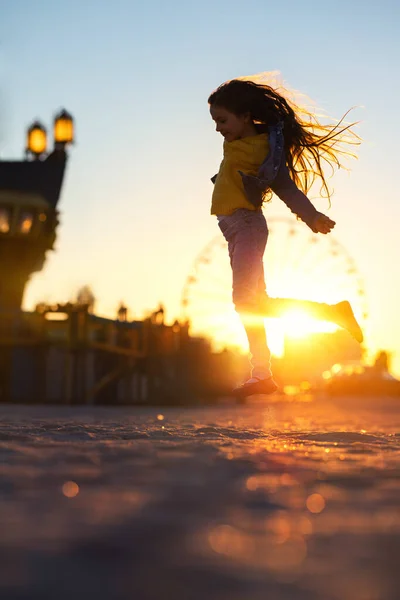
(136, 77)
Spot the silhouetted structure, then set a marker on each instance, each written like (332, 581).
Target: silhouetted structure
(63, 354)
(29, 193)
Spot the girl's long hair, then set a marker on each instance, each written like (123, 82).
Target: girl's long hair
(310, 146)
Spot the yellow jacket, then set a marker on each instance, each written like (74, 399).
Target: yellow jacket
(245, 155)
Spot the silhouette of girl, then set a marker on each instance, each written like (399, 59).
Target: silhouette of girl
(270, 145)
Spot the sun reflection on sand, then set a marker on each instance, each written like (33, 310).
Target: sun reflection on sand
(277, 547)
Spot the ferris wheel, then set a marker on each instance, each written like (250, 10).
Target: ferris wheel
(297, 263)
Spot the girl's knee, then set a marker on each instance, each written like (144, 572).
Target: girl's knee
(244, 305)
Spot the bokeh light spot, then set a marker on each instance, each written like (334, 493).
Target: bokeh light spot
(305, 526)
(315, 503)
(226, 540)
(70, 489)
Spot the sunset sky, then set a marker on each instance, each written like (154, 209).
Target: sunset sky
(136, 77)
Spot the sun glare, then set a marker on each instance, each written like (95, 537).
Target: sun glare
(299, 323)
(226, 330)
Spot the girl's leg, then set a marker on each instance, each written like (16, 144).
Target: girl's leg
(260, 355)
(246, 251)
(341, 314)
(277, 307)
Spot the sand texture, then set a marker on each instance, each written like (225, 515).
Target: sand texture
(279, 501)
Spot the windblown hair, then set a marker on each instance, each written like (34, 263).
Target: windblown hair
(309, 145)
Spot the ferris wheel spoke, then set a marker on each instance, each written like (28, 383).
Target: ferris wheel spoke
(293, 266)
(325, 264)
(283, 257)
(304, 253)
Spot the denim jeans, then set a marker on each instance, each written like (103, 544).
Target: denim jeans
(246, 232)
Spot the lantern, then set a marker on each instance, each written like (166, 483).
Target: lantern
(36, 142)
(63, 128)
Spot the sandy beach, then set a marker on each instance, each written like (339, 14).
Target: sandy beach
(287, 501)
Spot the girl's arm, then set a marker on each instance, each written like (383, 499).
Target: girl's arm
(284, 187)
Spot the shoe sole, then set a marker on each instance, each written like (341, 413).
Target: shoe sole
(255, 388)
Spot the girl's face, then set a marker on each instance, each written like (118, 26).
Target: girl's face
(230, 126)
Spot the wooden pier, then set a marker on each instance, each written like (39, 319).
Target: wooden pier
(64, 354)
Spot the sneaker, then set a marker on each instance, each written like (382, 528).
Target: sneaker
(346, 319)
(255, 385)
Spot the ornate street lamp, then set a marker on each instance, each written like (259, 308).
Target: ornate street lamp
(36, 141)
(63, 129)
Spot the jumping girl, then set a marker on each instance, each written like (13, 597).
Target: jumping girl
(270, 145)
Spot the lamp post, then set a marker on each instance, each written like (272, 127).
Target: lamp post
(29, 193)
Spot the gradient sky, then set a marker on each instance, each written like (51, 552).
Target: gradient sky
(136, 77)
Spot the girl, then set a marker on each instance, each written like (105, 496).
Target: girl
(271, 145)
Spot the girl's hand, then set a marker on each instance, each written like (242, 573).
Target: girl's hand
(322, 224)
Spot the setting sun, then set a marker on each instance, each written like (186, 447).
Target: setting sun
(298, 323)
(225, 329)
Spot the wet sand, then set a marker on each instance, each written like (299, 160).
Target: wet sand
(285, 501)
